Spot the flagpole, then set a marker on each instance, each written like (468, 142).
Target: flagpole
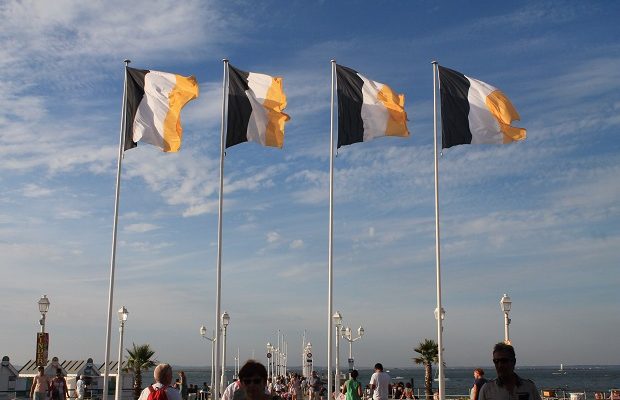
(439, 314)
(330, 252)
(219, 225)
(114, 230)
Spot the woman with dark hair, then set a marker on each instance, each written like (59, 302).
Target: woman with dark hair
(408, 392)
(253, 379)
(352, 388)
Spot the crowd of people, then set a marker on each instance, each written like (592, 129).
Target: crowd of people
(253, 383)
(295, 387)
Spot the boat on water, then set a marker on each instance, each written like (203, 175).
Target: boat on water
(560, 371)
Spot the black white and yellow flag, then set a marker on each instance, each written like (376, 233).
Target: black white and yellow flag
(153, 107)
(474, 112)
(256, 104)
(367, 109)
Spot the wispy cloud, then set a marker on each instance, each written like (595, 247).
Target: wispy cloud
(33, 190)
(297, 244)
(140, 228)
(273, 237)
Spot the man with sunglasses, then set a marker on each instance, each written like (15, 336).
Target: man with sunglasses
(252, 382)
(508, 385)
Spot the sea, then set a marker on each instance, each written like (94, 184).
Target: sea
(459, 380)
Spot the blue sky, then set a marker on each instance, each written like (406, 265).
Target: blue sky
(538, 220)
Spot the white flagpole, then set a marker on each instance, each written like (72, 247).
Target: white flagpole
(218, 327)
(439, 310)
(330, 256)
(114, 230)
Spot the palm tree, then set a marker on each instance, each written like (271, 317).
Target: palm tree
(429, 355)
(139, 360)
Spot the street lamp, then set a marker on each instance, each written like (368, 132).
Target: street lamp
(337, 317)
(348, 334)
(44, 306)
(225, 322)
(269, 356)
(122, 317)
(203, 333)
(506, 304)
(309, 359)
(443, 314)
(42, 337)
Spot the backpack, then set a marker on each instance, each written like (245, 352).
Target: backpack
(157, 394)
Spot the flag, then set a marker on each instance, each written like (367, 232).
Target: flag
(367, 109)
(475, 112)
(255, 109)
(153, 107)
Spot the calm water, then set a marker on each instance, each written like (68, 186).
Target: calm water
(459, 380)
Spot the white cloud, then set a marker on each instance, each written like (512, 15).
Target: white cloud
(297, 244)
(273, 237)
(145, 246)
(33, 190)
(140, 228)
(71, 214)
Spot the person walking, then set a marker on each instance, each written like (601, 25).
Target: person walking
(315, 385)
(58, 387)
(295, 385)
(80, 388)
(380, 383)
(163, 381)
(40, 385)
(508, 384)
(352, 388)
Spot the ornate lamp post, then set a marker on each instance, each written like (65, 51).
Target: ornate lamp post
(309, 368)
(269, 355)
(44, 306)
(122, 318)
(225, 322)
(212, 339)
(337, 317)
(348, 335)
(506, 304)
(42, 337)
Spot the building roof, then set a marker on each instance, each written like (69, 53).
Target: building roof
(71, 367)
(6, 363)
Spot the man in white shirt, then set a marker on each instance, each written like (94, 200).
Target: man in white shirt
(508, 385)
(380, 383)
(163, 379)
(230, 390)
